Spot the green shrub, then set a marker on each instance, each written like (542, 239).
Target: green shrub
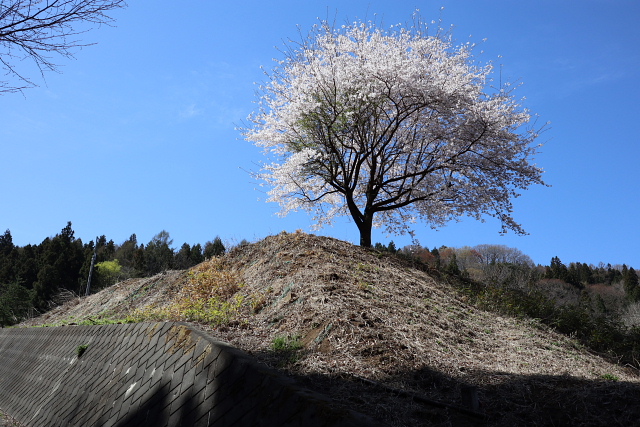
(81, 349)
(286, 343)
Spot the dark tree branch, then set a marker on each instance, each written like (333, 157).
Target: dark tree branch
(41, 29)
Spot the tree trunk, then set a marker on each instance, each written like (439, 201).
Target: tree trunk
(364, 221)
(365, 231)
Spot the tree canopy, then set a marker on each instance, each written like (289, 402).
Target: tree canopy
(391, 127)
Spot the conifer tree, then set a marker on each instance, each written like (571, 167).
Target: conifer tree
(183, 257)
(158, 253)
(631, 288)
(214, 248)
(7, 262)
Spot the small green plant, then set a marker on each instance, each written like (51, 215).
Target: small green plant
(610, 377)
(287, 347)
(286, 343)
(81, 349)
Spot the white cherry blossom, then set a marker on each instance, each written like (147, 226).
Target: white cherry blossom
(392, 128)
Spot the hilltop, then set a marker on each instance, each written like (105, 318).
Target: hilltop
(377, 334)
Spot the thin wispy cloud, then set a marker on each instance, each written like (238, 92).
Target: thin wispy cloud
(190, 111)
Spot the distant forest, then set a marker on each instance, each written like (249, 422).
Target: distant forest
(499, 264)
(35, 278)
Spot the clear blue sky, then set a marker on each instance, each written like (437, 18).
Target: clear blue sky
(137, 134)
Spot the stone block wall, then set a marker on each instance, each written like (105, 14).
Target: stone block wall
(148, 374)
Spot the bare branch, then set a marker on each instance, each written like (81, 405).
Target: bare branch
(39, 30)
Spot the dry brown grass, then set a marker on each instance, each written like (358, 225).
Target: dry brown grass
(362, 314)
(8, 421)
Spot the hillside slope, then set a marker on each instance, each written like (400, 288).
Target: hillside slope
(335, 315)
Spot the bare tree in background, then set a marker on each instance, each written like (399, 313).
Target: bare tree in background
(40, 30)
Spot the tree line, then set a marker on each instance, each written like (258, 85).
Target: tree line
(33, 277)
(502, 265)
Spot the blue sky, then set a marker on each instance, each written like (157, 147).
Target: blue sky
(137, 134)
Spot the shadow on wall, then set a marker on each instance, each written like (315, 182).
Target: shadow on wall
(149, 374)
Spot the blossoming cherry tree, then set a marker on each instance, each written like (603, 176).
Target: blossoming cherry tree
(391, 127)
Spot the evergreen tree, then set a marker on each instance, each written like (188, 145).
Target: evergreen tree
(188, 256)
(125, 254)
(139, 261)
(106, 249)
(601, 307)
(214, 248)
(631, 288)
(557, 270)
(436, 254)
(391, 248)
(183, 257)
(573, 275)
(6, 243)
(15, 303)
(452, 267)
(158, 254)
(7, 261)
(60, 261)
(197, 256)
(585, 273)
(616, 275)
(47, 285)
(26, 268)
(70, 258)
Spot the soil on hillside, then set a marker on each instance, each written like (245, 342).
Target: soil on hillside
(388, 339)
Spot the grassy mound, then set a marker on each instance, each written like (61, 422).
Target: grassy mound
(378, 335)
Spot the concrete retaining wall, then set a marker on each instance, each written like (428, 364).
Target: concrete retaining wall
(148, 374)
